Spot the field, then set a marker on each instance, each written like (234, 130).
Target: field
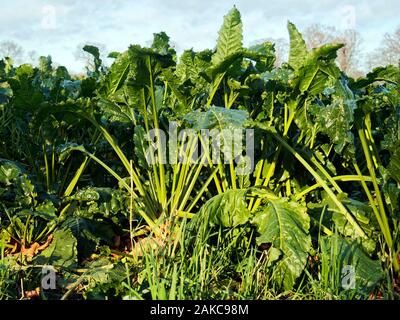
(109, 188)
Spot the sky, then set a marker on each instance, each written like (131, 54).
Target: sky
(58, 27)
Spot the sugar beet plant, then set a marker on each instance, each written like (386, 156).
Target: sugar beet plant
(98, 177)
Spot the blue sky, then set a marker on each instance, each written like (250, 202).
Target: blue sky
(56, 27)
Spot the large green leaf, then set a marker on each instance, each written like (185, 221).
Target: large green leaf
(285, 224)
(62, 252)
(94, 51)
(263, 54)
(26, 98)
(230, 63)
(389, 74)
(394, 165)
(189, 67)
(228, 209)
(161, 44)
(368, 272)
(9, 171)
(298, 50)
(89, 233)
(336, 121)
(226, 121)
(117, 75)
(318, 68)
(217, 117)
(46, 211)
(114, 112)
(230, 37)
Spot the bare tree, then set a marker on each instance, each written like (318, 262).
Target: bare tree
(281, 50)
(388, 53)
(348, 56)
(11, 49)
(317, 35)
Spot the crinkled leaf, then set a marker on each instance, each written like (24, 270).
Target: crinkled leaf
(114, 112)
(230, 37)
(263, 54)
(94, 51)
(389, 74)
(336, 121)
(26, 98)
(116, 76)
(228, 209)
(161, 44)
(368, 272)
(298, 50)
(9, 171)
(140, 146)
(46, 210)
(229, 63)
(62, 251)
(89, 233)
(285, 225)
(217, 117)
(394, 165)
(85, 195)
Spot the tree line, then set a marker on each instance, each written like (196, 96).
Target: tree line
(349, 59)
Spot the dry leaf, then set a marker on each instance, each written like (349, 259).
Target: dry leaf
(32, 294)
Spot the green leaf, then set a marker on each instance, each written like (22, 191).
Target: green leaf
(217, 117)
(85, 195)
(263, 54)
(64, 151)
(9, 171)
(285, 226)
(228, 209)
(116, 76)
(101, 276)
(230, 37)
(94, 51)
(361, 211)
(392, 196)
(336, 121)
(114, 112)
(45, 66)
(62, 252)
(298, 50)
(229, 63)
(89, 233)
(190, 65)
(5, 94)
(389, 74)
(26, 98)
(368, 272)
(161, 44)
(46, 210)
(318, 68)
(140, 146)
(394, 165)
